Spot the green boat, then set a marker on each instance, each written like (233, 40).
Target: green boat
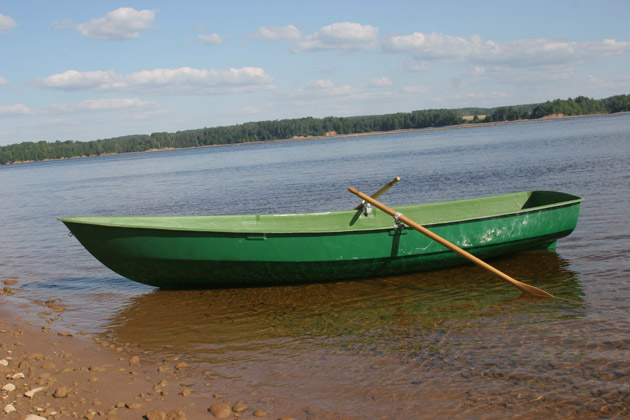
(247, 250)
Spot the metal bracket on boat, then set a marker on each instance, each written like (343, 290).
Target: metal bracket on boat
(399, 224)
(367, 208)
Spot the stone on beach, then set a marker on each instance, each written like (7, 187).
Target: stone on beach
(61, 392)
(34, 417)
(181, 365)
(156, 415)
(176, 415)
(9, 408)
(32, 392)
(239, 407)
(221, 410)
(8, 388)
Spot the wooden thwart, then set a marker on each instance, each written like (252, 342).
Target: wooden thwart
(525, 288)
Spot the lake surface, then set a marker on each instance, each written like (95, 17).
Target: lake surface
(454, 343)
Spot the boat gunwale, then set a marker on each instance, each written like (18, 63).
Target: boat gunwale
(88, 220)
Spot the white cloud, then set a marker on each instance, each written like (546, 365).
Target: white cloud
(472, 99)
(514, 54)
(381, 81)
(415, 90)
(338, 36)
(120, 24)
(621, 83)
(434, 45)
(104, 104)
(343, 36)
(327, 87)
(183, 80)
(18, 109)
(288, 32)
(75, 80)
(6, 24)
(90, 105)
(3, 81)
(64, 24)
(415, 66)
(211, 39)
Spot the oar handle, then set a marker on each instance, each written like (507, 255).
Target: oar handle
(525, 288)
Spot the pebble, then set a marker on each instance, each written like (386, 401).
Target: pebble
(34, 417)
(239, 407)
(221, 410)
(8, 388)
(134, 361)
(32, 392)
(9, 408)
(49, 366)
(181, 365)
(61, 392)
(176, 415)
(260, 413)
(156, 415)
(4, 362)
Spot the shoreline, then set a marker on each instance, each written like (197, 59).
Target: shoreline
(49, 373)
(550, 118)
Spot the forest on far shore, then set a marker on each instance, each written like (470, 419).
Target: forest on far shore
(308, 127)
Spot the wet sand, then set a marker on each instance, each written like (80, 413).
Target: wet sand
(48, 373)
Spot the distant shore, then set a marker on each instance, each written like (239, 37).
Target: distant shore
(549, 118)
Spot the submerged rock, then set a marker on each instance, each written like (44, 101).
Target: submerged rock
(221, 410)
(156, 415)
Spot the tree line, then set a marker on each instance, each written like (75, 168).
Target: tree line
(304, 127)
(561, 107)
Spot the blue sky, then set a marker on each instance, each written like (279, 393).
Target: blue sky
(86, 70)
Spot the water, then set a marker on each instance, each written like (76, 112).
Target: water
(455, 343)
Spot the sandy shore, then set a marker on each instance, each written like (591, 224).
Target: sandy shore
(48, 373)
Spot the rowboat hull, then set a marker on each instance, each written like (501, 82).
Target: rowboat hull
(233, 251)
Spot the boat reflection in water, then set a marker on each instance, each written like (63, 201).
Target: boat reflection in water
(367, 340)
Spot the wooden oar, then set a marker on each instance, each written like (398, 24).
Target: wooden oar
(525, 288)
(381, 191)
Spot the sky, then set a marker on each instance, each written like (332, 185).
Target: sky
(88, 70)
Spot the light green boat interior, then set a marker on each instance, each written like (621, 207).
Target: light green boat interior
(340, 221)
